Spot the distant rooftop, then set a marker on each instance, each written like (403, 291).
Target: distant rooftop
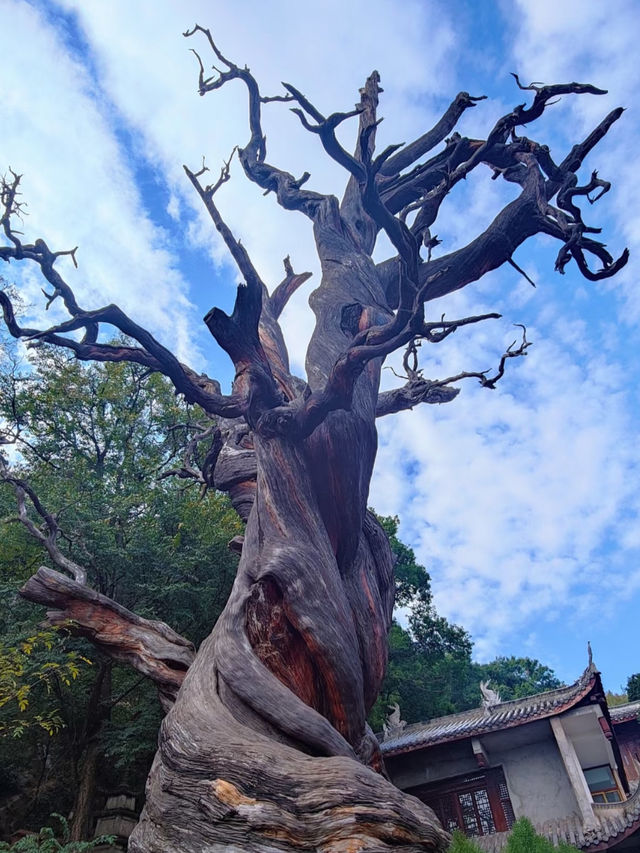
(502, 715)
(625, 713)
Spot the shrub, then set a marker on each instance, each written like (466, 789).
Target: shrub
(45, 841)
(522, 839)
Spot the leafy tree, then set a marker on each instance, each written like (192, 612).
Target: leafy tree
(429, 662)
(515, 677)
(614, 699)
(297, 660)
(430, 672)
(633, 687)
(148, 541)
(30, 667)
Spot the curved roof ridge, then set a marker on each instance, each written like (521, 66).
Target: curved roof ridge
(502, 715)
(627, 709)
(583, 679)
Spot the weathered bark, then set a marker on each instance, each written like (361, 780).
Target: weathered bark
(153, 648)
(266, 747)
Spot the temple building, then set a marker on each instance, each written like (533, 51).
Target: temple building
(562, 758)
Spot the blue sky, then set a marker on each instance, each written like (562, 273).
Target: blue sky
(523, 503)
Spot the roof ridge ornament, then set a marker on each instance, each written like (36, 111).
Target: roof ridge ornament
(393, 726)
(490, 697)
(591, 667)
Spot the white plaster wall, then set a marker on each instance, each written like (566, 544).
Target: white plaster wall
(537, 780)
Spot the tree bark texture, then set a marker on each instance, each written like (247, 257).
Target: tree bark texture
(266, 747)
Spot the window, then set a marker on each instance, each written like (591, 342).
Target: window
(477, 804)
(602, 784)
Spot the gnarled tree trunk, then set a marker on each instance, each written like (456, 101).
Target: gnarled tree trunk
(266, 747)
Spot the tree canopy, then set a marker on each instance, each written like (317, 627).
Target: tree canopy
(633, 687)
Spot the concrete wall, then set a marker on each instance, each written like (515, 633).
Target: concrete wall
(537, 780)
(425, 766)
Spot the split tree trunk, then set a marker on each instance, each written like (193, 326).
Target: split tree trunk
(262, 750)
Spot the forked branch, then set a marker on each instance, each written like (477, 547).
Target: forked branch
(150, 353)
(253, 156)
(420, 390)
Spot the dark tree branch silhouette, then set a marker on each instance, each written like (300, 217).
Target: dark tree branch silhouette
(266, 746)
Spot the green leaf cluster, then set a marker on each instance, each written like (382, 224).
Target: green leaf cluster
(429, 661)
(633, 687)
(430, 671)
(28, 672)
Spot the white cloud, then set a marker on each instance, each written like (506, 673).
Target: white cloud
(79, 185)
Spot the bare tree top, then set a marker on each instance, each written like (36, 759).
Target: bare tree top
(398, 191)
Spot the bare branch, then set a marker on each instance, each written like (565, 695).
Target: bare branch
(150, 353)
(195, 388)
(287, 287)
(410, 153)
(47, 537)
(416, 391)
(152, 648)
(525, 216)
(326, 130)
(521, 271)
(420, 390)
(252, 156)
(191, 468)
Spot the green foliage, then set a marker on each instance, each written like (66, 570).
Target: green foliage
(513, 677)
(633, 687)
(28, 671)
(429, 663)
(430, 671)
(94, 442)
(462, 844)
(45, 841)
(411, 579)
(522, 839)
(614, 699)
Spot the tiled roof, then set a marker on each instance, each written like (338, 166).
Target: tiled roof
(626, 712)
(503, 715)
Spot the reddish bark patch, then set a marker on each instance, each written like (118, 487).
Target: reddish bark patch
(280, 647)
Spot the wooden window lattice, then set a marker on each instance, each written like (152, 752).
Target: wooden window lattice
(477, 804)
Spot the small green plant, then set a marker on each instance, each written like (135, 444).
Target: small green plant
(522, 839)
(462, 844)
(46, 841)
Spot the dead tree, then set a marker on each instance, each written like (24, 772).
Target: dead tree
(266, 747)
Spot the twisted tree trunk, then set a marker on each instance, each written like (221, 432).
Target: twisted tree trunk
(266, 747)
